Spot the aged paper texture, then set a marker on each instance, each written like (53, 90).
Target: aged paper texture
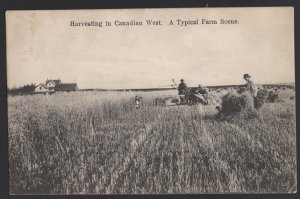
(151, 101)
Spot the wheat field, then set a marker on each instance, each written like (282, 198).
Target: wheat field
(98, 143)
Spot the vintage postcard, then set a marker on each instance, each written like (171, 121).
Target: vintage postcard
(151, 101)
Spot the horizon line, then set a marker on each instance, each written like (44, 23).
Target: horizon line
(169, 88)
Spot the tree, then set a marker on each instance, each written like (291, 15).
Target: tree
(23, 90)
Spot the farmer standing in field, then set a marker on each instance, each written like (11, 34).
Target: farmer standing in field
(250, 86)
(182, 90)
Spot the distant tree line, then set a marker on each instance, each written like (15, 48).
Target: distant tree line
(23, 90)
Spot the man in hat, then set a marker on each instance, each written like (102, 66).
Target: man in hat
(182, 90)
(250, 86)
(182, 87)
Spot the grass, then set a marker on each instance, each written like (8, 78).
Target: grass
(98, 143)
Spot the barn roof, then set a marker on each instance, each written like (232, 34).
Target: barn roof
(56, 81)
(66, 87)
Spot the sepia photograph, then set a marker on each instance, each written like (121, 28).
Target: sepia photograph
(151, 101)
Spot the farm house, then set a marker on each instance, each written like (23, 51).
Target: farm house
(43, 89)
(52, 86)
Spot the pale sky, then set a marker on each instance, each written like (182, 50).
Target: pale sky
(42, 44)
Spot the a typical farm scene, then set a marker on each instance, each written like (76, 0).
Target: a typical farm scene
(225, 139)
(151, 101)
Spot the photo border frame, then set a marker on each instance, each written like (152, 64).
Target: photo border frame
(126, 4)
